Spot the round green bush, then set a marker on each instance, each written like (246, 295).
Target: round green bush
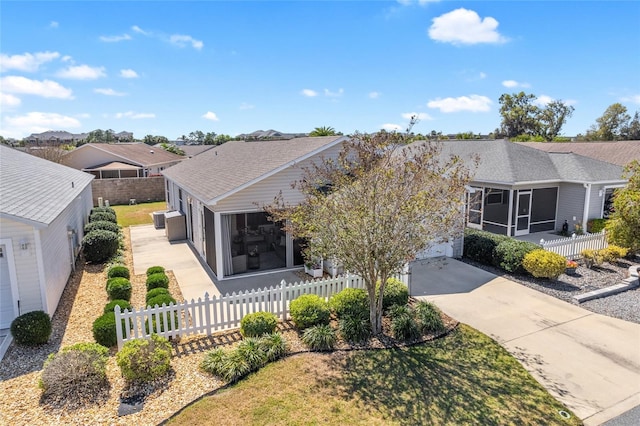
(429, 318)
(103, 209)
(395, 293)
(156, 292)
(160, 299)
(32, 328)
(258, 323)
(509, 254)
(544, 264)
(479, 245)
(319, 338)
(119, 288)
(100, 245)
(118, 271)
(350, 302)
(354, 329)
(155, 270)
(157, 280)
(106, 216)
(124, 304)
(309, 310)
(145, 360)
(104, 329)
(104, 225)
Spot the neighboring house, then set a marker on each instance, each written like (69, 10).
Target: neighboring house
(55, 137)
(43, 209)
(121, 160)
(618, 152)
(269, 135)
(193, 150)
(521, 190)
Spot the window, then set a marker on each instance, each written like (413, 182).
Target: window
(494, 196)
(607, 207)
(180, 208)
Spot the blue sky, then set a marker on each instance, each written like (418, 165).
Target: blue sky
(169, 68)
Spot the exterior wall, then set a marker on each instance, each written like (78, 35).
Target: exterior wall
(458, 247)
(570, 204)
(26, 264)
(120, 191)
(595, 202)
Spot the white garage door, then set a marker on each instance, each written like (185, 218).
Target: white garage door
(6, 297)
(437, 250)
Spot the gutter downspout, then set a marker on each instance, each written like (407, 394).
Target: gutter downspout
(585, 211)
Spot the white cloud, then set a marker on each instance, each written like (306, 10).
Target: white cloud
(109, 92)
(27, 62)
(67, 58)
(211, 116)
(82, 72)
(54, 24)
(37, 122)
(512, 83)
(128, 73)
(8, 101)
(328, 93)
(419, 115)
(420, 2)
(391, 127)
(473, 103)
(633, 99)
(139, 30)
(44, 88)
(374, 95)
(462, 26)
(543, 100)
(135, 115)
(115, 39)
(309, 93)
(245, 106)
(482, 75)
(83, 115)
(184, 40)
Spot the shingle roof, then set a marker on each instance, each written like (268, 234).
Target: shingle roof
(217, 172)
(136, 153)
(620, 152)
(34, 189)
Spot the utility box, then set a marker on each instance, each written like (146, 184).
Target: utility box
(175, 226)
(158, 220)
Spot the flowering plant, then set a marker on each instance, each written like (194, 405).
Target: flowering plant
(572, 264)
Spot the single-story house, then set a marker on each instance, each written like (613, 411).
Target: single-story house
(120, 160)
(616, 152)
(43, 209)
(521, 190)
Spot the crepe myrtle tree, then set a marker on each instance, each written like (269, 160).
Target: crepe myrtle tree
(376, 206)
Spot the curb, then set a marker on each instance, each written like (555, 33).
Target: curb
(627, 284)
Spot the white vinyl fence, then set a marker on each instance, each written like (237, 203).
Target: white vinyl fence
(571, 247)
(210, 314)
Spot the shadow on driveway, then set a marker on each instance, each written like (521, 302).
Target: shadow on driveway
(443, 275)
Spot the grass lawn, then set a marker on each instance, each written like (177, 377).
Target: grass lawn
(138, 214)
(465, 378)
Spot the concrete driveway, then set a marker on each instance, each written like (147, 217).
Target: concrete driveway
(590, 362)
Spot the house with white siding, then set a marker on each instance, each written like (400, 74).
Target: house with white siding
(43, 209)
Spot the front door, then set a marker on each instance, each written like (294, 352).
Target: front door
(523, 213)
(475, 201)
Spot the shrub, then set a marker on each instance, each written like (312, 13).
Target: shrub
(157, 280)
(124, 304)
(592, 258)
(104, 329)
(144, 360)
(479, 245)
(395, 293)
(100, 245)
(75, 374)
(234, 366)
(118, 271)
(103, 209)
(319, 338)
(273, 345)
(213, 362)
(544, 264)
(154, 270)
(106, 216)
(509, 254)
(258, 323)
(119, 288)
(613, 253)
(354, 329)
(429, 318)
(156, 292)
(251, 351)
(32, 328)
(160, 299)
(403, 324)
(350, 302)
(596, 225)
(104, 225)
(309, 310)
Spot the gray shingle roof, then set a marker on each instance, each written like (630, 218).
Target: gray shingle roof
(34, 189)
(136, 153)
(217, 172)
(620, 152)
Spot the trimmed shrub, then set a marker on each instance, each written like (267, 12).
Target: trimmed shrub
(257, 324)
(251, 351)
(429, 318)
(124, 304)
(155, 270)
(156, 292)
(106, 216)
(403, 323)
(544, 264)
(592, 258)
(479, 245)
(103, 209)
(32, 328)
(157, 280)
(119, 289)
(160, 299)
(395, 293)
(350, 302)
(309, 310)
(596, 225)
(100, 245)
(104, 225)
(319, 338)
(509, 254)
(613, 253)
(354, 329)
(274, 346)
(76, 374)
(145, 360)
(118, 271)
(104, 329)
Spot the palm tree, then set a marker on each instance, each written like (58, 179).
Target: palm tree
(323, 131)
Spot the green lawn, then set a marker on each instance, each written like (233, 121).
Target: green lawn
(137, 214)
(465, 378)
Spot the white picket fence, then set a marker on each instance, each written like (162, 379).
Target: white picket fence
(210, 314)
(571, 247)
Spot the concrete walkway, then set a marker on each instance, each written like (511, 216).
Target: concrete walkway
(590, 362)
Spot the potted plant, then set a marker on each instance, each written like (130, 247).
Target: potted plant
(313, 267)
(571, 267)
